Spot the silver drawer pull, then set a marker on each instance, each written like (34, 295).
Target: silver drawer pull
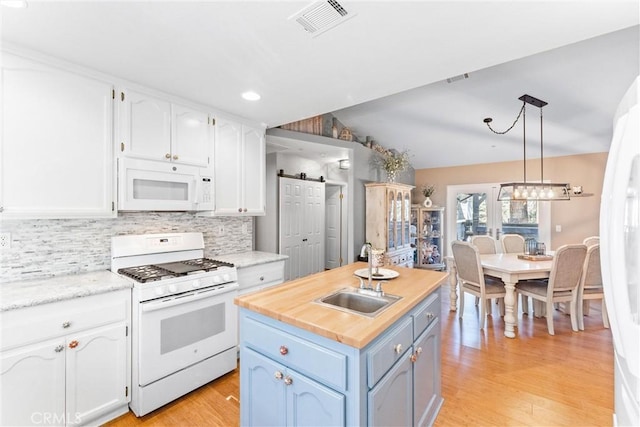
(398, 348)
(430, 316)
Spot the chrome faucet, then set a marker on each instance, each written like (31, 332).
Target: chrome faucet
(368, 289)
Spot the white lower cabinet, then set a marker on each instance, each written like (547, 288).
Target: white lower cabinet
(66, 363)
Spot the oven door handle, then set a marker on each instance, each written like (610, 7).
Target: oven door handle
(182, 299)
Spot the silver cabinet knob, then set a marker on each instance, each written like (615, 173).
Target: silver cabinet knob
(288, 380)
(167, 156)
(398, 348)
(175, 157)
(284, 350)
(58, 348)
(278, 375)
(66, 324)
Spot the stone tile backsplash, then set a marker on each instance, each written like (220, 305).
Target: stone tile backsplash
(51, 247)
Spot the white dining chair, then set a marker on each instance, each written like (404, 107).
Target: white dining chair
(472, 280)
(591, 240)
(563, 285)
(512, 243)
(591, 286)
(485, 243)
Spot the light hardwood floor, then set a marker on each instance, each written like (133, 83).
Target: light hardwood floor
(487, 379)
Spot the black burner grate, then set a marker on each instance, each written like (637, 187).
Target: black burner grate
(153, 272)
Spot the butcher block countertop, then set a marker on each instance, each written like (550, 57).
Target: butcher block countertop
(292, 302)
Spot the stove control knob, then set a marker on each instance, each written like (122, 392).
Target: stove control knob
(196, 283)
(159, 290)
(226, 277)
(173, 288)
(217, 279)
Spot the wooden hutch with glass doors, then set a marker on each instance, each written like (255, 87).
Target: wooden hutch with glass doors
(388, 221)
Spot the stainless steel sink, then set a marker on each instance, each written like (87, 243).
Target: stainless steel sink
(352, 301)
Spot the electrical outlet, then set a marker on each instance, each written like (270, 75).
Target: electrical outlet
(5, 240)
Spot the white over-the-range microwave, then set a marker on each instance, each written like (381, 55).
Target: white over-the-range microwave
(156, 186)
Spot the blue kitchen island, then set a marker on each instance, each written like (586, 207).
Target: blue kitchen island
(306, 363)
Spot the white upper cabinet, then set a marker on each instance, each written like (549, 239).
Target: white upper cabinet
(145, 126)
(57, 143)
(155, 129)
(239, 169)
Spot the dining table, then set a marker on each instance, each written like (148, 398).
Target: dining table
(510, 268)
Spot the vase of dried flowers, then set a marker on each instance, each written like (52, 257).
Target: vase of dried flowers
(427, 191)
(392, 162)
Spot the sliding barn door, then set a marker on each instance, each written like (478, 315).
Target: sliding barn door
(301, 225)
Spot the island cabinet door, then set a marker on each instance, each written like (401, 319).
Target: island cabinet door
(426, 376)
(391, 400)
(263, 391)
(312, 404)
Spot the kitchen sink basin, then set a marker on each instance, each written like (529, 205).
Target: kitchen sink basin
(353, 301)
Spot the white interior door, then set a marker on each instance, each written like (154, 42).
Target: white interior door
(473, 209)
(302, 226)
(291, 211)
(335, 220)
(314, 228)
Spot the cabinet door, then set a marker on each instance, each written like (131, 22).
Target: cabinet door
(390, 402)
(97, 375)
(426, 375)
(312, 404)
(191, 140)
(227, 167)
(254, 175)
(263, 390)
(32, 385)
(57, 143)
(145, 126)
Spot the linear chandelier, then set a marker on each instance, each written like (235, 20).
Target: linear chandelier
(527, 190)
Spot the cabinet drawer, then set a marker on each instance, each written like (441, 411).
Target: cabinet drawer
(426, 313)
(37, 323)
(308, 358)
(386, 352)
(261, 275)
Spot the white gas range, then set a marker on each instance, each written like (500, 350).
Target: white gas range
(184, 322)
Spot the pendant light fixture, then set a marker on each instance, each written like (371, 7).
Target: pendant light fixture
(527, 190)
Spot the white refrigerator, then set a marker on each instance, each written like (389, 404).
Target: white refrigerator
(620, 255)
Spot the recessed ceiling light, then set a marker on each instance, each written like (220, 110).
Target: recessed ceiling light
(16, 4)
(251, 96)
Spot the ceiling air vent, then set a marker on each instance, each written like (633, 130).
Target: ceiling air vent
(456, 78)
(321, 16)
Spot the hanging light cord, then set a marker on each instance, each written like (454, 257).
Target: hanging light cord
(488, 120)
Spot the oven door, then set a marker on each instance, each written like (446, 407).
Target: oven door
(181, 330)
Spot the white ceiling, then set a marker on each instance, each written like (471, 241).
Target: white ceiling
(211, 51)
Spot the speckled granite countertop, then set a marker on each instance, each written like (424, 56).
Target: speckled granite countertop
(247, 259)
(16, 295)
